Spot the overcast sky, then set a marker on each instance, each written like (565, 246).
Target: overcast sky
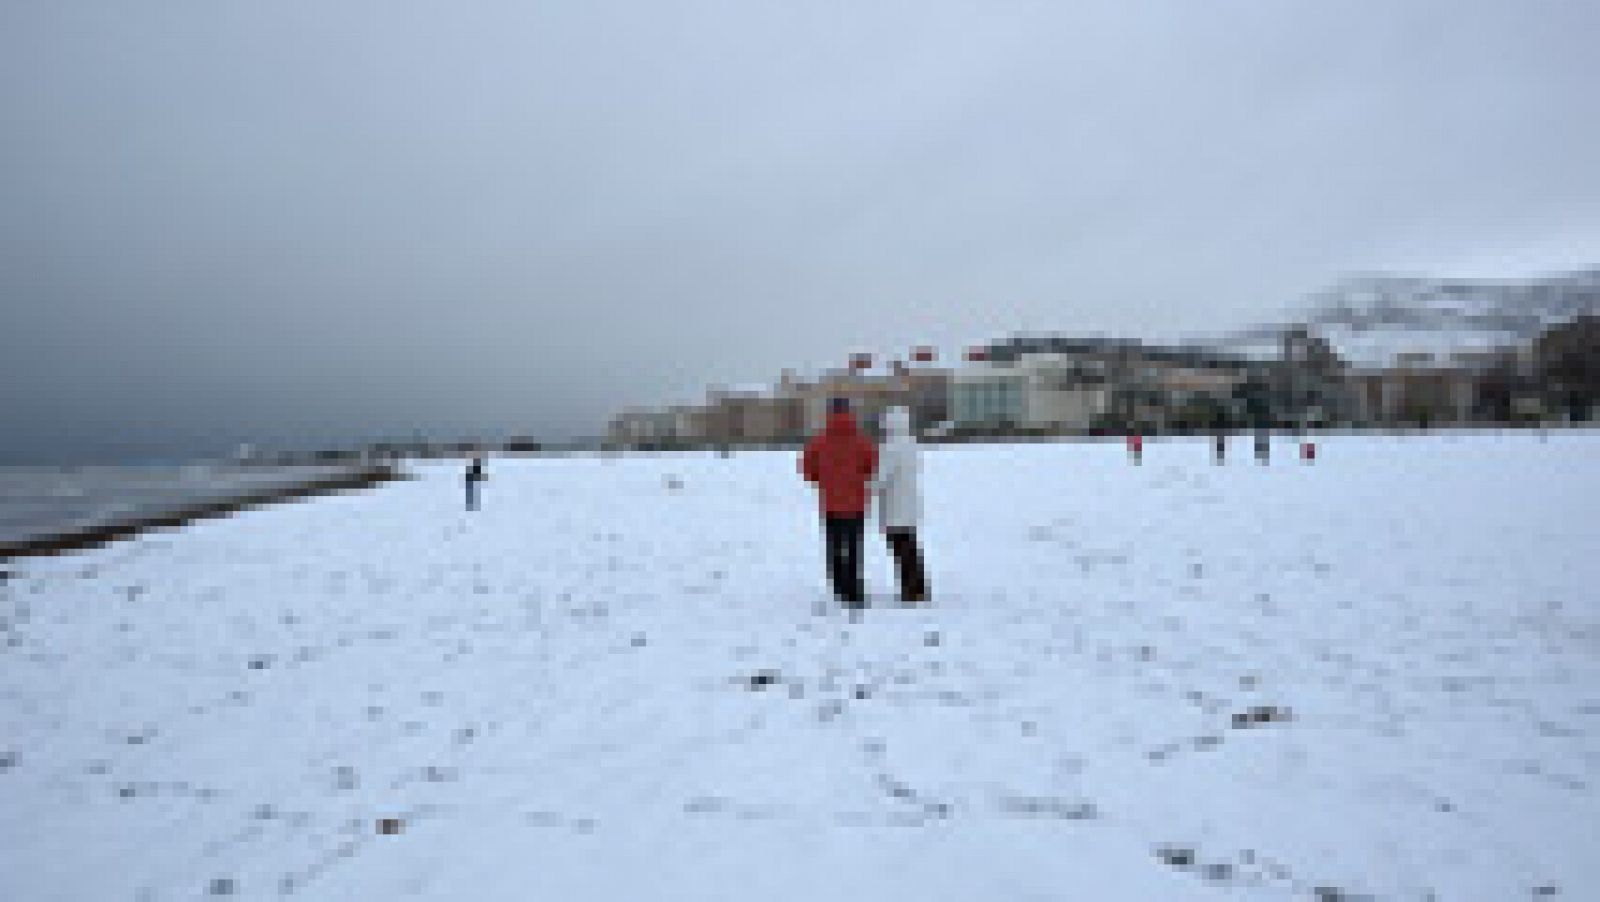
(298, 221)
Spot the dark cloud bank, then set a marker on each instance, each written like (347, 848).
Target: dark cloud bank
(304, 222)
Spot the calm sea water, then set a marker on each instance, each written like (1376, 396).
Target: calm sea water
(40, 501)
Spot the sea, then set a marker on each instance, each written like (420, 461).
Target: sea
(38, 502)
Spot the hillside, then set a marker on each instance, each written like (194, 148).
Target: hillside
(1370, 319)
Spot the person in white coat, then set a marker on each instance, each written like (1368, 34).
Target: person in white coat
(900, 501)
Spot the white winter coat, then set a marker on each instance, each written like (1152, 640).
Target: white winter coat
(895, 485)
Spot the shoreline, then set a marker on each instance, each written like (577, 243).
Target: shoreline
(97, 534)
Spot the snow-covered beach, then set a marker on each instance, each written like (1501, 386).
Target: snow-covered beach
(1375, 675)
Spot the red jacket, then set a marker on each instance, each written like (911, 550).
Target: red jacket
(840, 461)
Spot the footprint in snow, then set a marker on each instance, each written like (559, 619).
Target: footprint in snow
(1048, 807)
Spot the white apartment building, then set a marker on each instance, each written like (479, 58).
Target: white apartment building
(1038, 391)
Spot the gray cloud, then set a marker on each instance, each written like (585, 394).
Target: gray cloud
(307, 221)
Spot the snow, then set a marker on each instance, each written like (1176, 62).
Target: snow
(1378, 673)
(1379, 348)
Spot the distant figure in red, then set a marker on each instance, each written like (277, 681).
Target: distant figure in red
(1136, 447)
(841, 461)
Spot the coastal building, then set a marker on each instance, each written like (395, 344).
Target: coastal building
(1036, 391)
(926, 389)
(637, 427)
(1074, 384)
(753, 414)
(1424, 388)
(921, 386)
(869, 396)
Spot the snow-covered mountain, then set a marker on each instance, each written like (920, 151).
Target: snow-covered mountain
(1370, 319)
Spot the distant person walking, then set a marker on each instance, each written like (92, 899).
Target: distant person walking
(900, 502)
(840, 461)
(475, 475)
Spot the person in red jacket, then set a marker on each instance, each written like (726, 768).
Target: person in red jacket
(840, 461)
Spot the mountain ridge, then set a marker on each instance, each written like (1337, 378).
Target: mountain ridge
(1371, 318)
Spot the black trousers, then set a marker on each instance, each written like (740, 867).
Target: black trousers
(908, 561)
(843, 535)
(472, 494)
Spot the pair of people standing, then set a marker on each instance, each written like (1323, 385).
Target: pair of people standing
(846, 467)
